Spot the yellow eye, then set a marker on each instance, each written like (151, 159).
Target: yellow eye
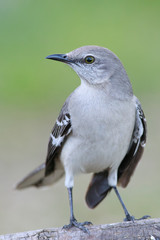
(89, 59)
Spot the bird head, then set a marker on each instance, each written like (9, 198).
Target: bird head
(96, 66)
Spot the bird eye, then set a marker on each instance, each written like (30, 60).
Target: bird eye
(89, 59)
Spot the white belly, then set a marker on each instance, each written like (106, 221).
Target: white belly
(97, 148)
(100, 138)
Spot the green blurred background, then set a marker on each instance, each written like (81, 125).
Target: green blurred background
(33, 89)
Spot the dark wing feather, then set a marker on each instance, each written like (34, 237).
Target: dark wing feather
(60, 131)
(130, 161)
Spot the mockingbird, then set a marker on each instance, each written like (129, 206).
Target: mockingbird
(101, 129)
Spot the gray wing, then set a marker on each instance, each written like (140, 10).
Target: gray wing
(60, 131)
(130, 161)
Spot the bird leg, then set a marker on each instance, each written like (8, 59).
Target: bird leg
(73, 221)
(128, 216)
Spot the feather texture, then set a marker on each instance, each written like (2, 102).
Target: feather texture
(61, 130)
(51, 171)
(133, 156)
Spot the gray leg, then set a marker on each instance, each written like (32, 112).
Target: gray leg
(73, 221)
(128, 216)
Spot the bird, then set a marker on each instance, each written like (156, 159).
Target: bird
(101, 129)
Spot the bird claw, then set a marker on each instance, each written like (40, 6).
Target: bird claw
(74, 223)
(86, 223)
(144, 217)
(132, 218)
(129, 218)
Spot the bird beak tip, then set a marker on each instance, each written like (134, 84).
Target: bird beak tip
(58, 57)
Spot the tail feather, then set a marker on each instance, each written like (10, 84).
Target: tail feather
(37, 177)
(98, 189)
(32, 178)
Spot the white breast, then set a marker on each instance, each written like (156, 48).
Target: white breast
(101, 132)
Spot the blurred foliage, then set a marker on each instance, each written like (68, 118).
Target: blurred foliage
(31, 30)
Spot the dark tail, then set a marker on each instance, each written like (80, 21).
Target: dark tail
(98, 189)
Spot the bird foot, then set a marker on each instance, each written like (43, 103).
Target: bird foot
(132, 218)
(81, 226)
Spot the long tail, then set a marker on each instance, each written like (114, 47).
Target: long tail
(37, 177)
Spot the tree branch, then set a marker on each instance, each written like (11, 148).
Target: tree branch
(144, 229)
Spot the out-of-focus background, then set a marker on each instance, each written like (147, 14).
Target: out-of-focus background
(33, 89)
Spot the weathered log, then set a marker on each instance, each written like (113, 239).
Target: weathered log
(142, 229)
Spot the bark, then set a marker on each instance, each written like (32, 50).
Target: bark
(142, 229)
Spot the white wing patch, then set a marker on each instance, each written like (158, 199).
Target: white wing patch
(57, 141)
(139, 129)
(64, 122)
(57, 138)
(59, 124)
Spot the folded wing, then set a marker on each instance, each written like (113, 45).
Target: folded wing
(138, 141)
(51, 171)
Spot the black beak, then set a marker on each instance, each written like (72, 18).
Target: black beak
(59, 57)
